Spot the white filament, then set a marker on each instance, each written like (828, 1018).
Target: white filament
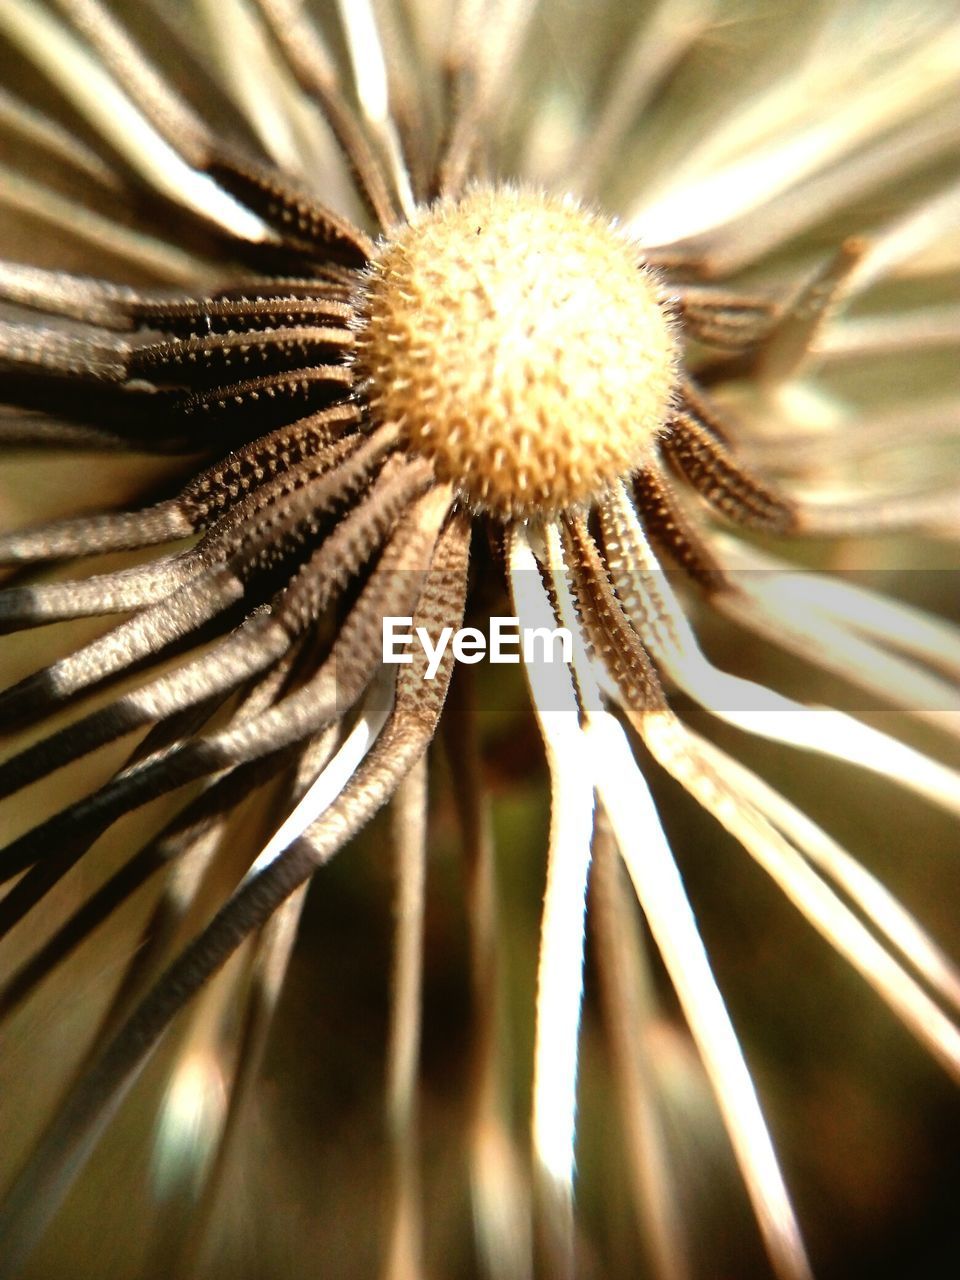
(98, 97)
(332, 779)
(757, 709)
(703, 771)
(599, 752)
(636, 824)
(369, 63)
(560, 976)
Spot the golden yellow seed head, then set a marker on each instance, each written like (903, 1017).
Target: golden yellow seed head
(520, 343)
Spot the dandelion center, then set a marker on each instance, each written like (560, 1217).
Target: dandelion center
(521, 344)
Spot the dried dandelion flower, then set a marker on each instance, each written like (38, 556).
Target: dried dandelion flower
(344, 288)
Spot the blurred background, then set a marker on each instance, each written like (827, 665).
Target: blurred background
(866, 1124)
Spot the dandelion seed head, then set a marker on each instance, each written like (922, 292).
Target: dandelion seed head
(332, 410)
(522, 346)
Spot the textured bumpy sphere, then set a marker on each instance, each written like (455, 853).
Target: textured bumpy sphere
(519, 342)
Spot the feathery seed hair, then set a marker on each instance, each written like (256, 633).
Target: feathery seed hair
(370, 347)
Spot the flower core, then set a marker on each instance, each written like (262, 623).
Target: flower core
(521, 344)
